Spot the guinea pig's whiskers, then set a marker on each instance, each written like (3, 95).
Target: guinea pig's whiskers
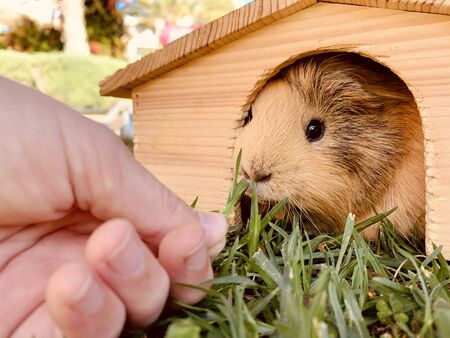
(296, 207)
(311, 221)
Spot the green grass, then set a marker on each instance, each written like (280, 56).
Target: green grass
(72, 79)
(271, 282)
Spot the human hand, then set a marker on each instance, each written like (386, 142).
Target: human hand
(88, 238)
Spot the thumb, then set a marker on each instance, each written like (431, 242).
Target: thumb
(60, 160)
(109, 182)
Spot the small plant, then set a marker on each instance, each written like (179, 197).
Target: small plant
(274, 283)
(28, 36)
(105, 28)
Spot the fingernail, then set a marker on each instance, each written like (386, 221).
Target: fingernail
(196, 260)
(128, 258)
(89, 297)
(215, 226)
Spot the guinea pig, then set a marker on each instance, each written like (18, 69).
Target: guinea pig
(337, 133)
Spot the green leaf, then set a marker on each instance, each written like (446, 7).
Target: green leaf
(229, 260)
(261, 304)
(442, 321)
(254, 227)
(337, 310)
(273, 212)
(353, 310)
(386, 286)
(346, 239)
(183, 328)
(383, 310)
(240, 280)
(268, 267)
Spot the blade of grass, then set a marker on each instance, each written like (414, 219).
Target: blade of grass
(254, 227)
(345, 239)
(353, 311)
(194, 203)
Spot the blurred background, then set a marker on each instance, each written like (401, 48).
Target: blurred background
(65, 47)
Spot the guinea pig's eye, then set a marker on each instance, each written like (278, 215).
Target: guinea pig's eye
(249, 117)
(315, 130)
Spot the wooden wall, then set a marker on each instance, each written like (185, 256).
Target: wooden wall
(186, 120)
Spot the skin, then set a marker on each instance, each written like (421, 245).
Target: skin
(369, 158)
(90, 241)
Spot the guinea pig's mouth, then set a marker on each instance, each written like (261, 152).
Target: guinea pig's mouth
(264, 206)
(245, 206)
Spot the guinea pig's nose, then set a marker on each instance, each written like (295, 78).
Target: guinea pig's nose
(256, 176)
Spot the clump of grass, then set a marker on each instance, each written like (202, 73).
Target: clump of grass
(274, 283)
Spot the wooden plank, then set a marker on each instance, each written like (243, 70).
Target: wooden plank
(216, 202)
(192, 124)
(192, 170)
(208, 200)
(197, 160)
(262, 45)
(188, 117)
(172, 132)
(394, 28)
(434, 113)
(178, 140)
(203, 184)
(182, 150)
(437, 156)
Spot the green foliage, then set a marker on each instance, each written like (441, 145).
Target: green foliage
(29, 37)
(72, 79)
(271, 282)
(104, 26)
(183, 328)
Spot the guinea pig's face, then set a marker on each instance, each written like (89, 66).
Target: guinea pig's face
(323, 139)
(286, 151)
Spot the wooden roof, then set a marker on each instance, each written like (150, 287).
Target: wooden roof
(231, 27)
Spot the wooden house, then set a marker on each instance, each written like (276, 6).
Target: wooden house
(190, 98)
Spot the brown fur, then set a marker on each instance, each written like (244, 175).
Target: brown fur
(371, 154)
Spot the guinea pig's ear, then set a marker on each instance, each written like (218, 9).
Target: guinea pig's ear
(249, 116)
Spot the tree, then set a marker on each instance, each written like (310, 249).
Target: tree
(105, 27)
(74, 30)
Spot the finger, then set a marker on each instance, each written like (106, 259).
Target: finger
(125, 263)
(88, 167)
(109, 182)
(83, 306)
(183, 252)
(215, 227)
(24, 277)
(38, 325)
(31, 119)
